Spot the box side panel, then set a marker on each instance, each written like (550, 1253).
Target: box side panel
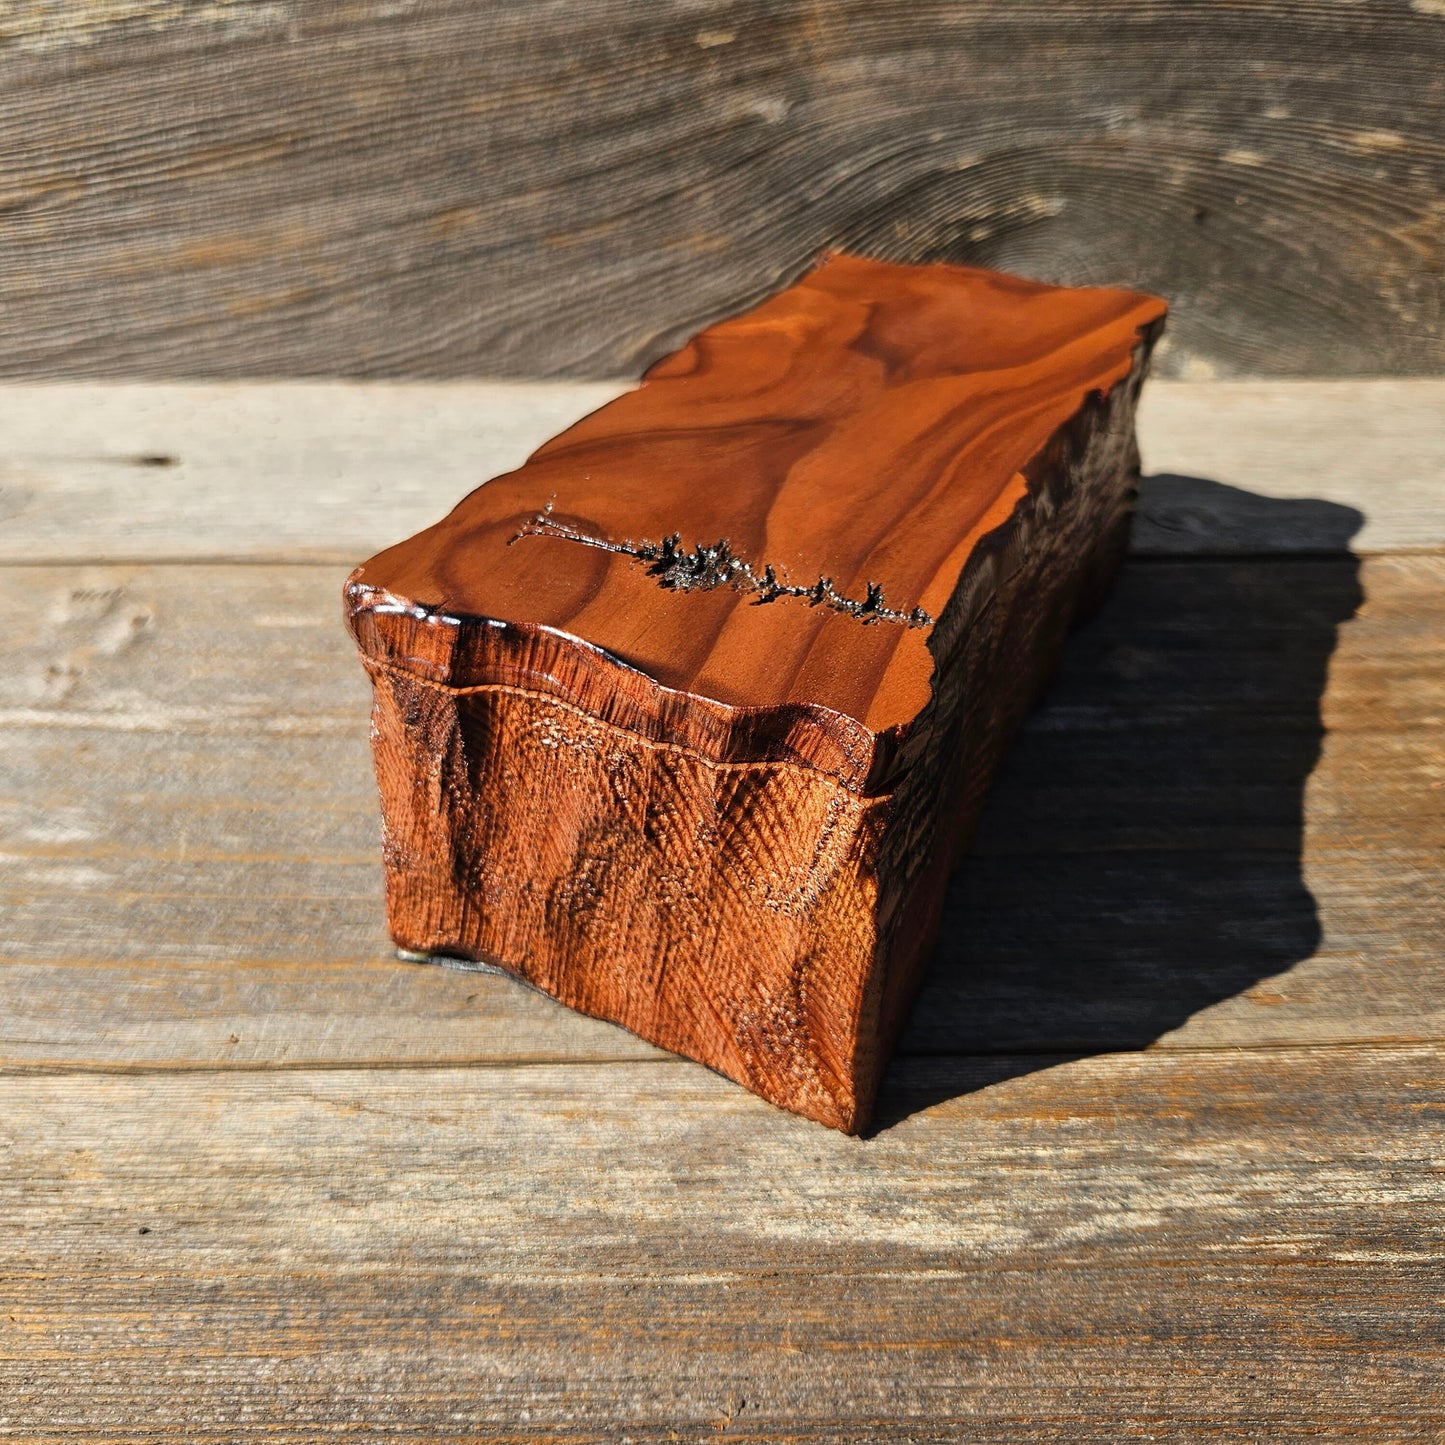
(723, 910)
(1046, 568)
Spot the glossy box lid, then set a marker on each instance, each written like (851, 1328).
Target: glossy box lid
(767, 530)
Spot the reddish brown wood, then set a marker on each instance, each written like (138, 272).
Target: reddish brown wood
(684, 720)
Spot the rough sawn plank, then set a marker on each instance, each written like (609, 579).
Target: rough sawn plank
(1187, 1246)
(307, 187)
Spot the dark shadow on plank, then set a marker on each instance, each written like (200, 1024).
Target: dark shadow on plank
(1139, 856)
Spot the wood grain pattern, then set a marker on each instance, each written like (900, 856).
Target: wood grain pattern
(1181, 1246)
(682, 720)
(867, 428)
(373, 188)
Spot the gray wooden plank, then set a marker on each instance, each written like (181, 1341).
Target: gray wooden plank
(295, 187)
(1179, 1246)
(334, 471)
(325, 471)
(1292, 467)
(1222, 829)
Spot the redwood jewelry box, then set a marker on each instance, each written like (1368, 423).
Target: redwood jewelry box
(685, 720)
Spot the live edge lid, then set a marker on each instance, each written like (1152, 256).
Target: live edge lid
(761, 550)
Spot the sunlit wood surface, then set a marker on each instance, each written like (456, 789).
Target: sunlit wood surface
(1160, 1156)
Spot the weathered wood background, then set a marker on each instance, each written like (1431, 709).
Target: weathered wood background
(446, 187)
(1159, 1157)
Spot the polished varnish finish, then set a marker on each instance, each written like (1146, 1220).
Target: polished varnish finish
(684, 720)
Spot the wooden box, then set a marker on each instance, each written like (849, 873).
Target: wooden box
(685, 720)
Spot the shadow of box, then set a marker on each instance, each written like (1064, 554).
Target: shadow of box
(1139, 856)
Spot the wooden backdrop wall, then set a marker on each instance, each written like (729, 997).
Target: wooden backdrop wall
(552, 187)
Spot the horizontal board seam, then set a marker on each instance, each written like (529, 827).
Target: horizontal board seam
(1063, 1055)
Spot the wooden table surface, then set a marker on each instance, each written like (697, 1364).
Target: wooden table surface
(1163, 1152)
